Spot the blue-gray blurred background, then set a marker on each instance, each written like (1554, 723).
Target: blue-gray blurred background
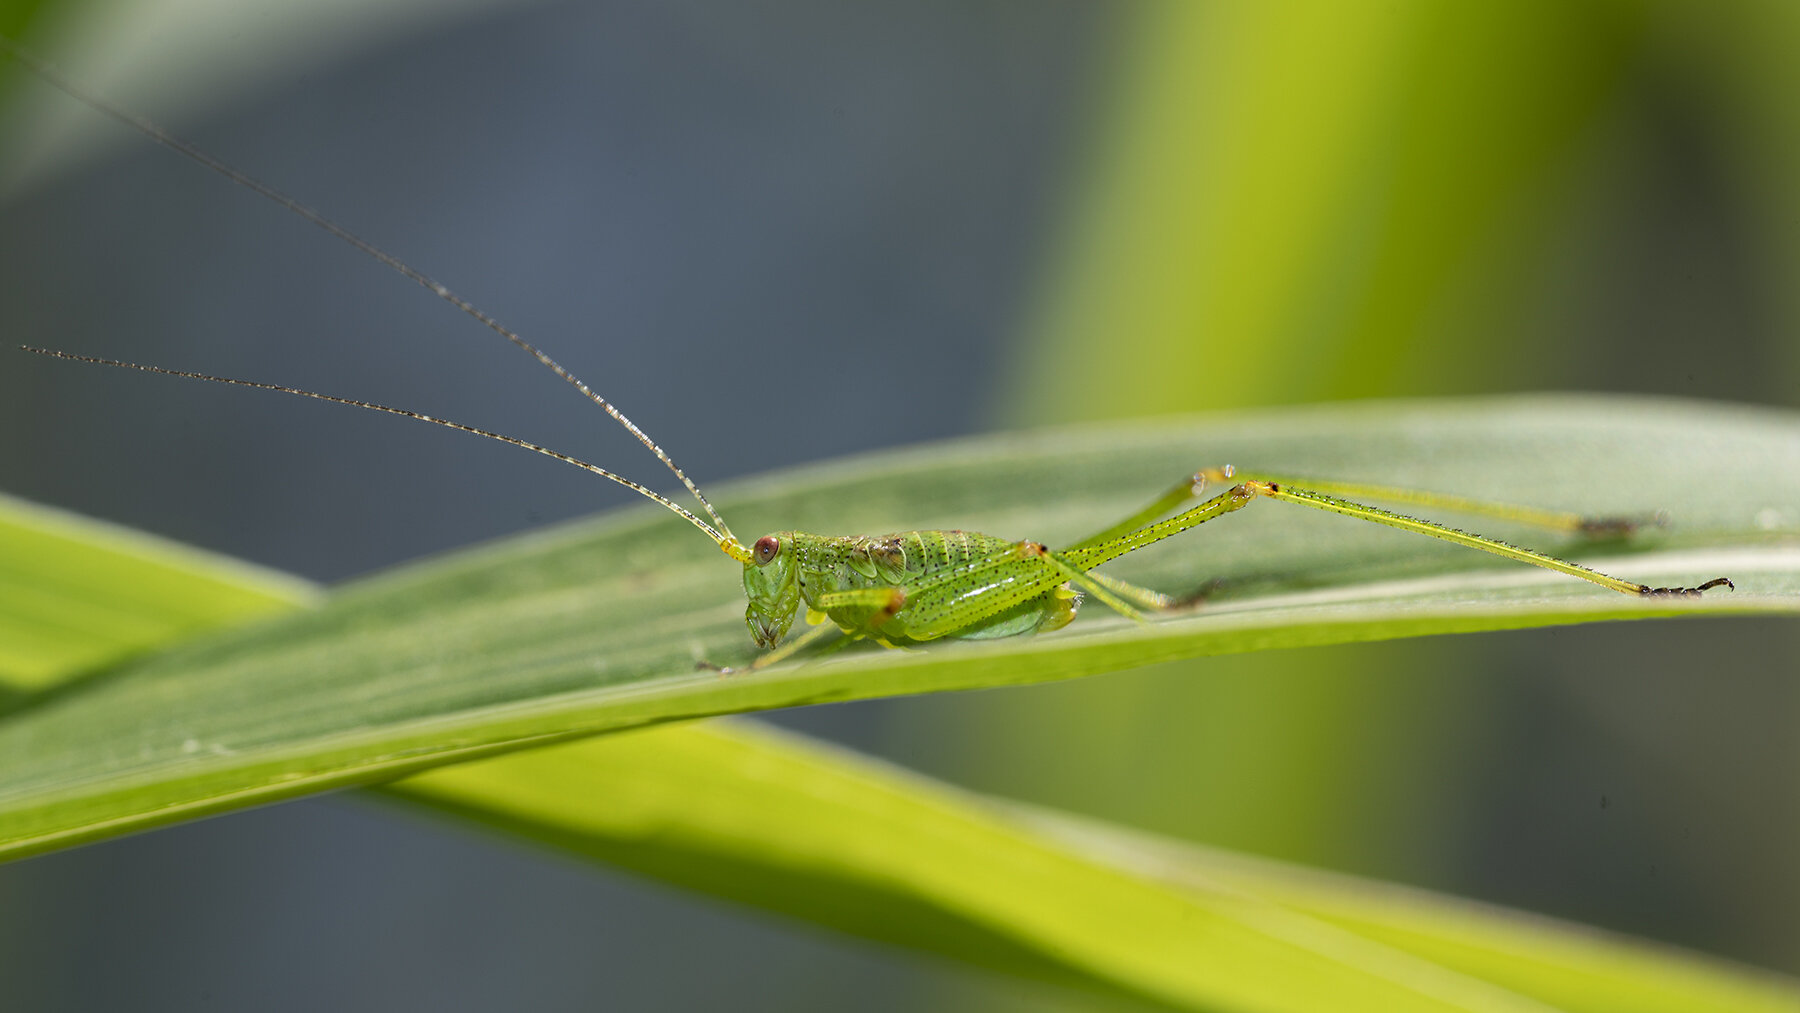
(741, 221)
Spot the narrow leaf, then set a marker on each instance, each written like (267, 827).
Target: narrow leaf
(76, 593)
(597, 626)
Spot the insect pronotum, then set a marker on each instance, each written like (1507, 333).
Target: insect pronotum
(914, 586)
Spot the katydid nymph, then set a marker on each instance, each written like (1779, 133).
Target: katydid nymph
(913, 587)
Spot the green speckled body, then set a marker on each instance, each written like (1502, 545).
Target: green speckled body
(964, 569)
(916, 586)
(950, 584)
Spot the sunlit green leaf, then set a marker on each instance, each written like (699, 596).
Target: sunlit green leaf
(597, 626)
(76, 593)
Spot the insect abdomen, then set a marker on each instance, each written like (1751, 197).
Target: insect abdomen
(925, 565)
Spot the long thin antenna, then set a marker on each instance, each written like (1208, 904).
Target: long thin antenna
(724, 540)
(150, 129)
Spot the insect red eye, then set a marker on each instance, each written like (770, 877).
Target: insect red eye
(766, 548)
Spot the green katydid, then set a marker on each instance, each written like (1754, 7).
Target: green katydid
(917, 586)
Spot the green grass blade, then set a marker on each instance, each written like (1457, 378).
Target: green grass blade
(746, 814)
(1569, 966)
(596, 627)
(772, 820)
(76, 593)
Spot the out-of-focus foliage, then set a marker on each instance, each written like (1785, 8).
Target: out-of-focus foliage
(1301, 201)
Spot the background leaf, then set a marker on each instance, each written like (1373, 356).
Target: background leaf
(818, 833)
(77, 594)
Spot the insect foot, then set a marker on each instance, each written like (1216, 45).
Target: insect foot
(1686, 592)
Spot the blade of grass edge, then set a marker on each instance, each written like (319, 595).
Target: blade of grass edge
(219, 576)
(499, 648)
(77, 593)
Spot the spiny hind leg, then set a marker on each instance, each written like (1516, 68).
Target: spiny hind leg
(1321, 501)
(1567, 522)
(1116, 542)
(1190, 488)
(1118, 595)
(1596, 526)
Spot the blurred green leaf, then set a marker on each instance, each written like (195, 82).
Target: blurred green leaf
(776, 821)
(596, 627)
(1299, 201)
